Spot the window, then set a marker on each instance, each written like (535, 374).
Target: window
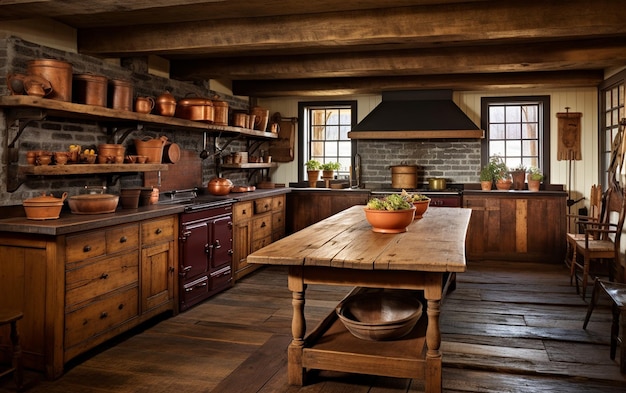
(611, 112)
(517, 129)
(324, 130)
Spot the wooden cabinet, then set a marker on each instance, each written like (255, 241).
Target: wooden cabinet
(306, 207)
(81, 289)
(512, 226)
(256, 224)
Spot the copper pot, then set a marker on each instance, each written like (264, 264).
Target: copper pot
(58, 73)
(90, 89)
(196, 109)
(404, 176)
(166, 104)
(219, 186)
(220, 112)
(437, 183)
(121, 95)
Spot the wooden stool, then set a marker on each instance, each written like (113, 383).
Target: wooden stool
(11, 317)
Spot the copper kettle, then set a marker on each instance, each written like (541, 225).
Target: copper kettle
(166, 104)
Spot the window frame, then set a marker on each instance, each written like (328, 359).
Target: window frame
(612, 82)
(303, 130)
(544, 132)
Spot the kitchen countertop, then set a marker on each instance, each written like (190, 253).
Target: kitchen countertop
(70, 223)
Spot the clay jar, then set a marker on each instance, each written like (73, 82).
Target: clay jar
(60, 157)
(144, 104)
(166, 104)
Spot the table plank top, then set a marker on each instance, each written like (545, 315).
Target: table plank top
(434, 243)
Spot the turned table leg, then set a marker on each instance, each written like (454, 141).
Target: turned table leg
(295, 371)
(433, 335)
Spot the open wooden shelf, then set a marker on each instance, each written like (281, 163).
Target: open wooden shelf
(79, 169)
(98, 113)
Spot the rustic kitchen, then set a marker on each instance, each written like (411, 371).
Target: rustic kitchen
(150, 169)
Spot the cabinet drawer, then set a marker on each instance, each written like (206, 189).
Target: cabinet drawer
(96, 279)
(261, 227)
(242, 211)
(262, 205)
(278, 203)
(83, 246)
(157, 231)
(260, 243)
(278, 221)
(100, 316)
(122, 238)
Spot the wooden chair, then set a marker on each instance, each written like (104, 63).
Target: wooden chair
(579, 221)
(617, 293)
(11, 318)
(601, 242)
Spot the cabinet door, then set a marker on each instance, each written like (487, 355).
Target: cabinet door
(220, 243)
(241, 247)
(157, 275)
(194, 237)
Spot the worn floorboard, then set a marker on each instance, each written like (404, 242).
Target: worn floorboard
(508, 327)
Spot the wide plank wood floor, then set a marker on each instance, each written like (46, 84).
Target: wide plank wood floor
(508, 327)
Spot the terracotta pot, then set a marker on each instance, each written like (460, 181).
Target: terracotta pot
(129, 198)
(486, 185)
(44, 207)
(519, 178)
(151, 148)
(313, 177)
(420, 208)
(389, 221)
(504, 185)
(219, 186)
(109, 153)
(93, 203)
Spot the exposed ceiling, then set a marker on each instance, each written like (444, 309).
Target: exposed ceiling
(328, 47)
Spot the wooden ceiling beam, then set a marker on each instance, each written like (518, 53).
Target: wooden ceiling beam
(375, 85)
(552, 56)
(393, 28)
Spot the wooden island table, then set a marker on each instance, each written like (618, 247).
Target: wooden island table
(343, 250)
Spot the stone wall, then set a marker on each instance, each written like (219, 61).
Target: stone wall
(56, 134)
(458, 161)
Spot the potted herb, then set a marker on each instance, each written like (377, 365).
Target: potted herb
(313, 168)
(391, 214)
(486, 178)
(329, 168)
(421, 202)
(501, 173)
(535, 177)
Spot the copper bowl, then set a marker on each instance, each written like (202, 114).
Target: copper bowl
(93, 203)
(220, 186)
(44, 207)
(378, 316)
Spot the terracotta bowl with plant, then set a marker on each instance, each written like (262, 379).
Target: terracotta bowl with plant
(392, 214)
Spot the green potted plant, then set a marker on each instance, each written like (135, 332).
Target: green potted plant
(501, 173)
(329, 168)
(486, 178)
(535, 177)
(313, 168)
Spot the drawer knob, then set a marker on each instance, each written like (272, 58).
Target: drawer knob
(104, 276)
(123, 239)
(158, 231)
(121, 306)
(244, 211)
(263, 225)
(87, 248)
(104, 314)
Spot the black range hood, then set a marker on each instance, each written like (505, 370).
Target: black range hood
(416, 114)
